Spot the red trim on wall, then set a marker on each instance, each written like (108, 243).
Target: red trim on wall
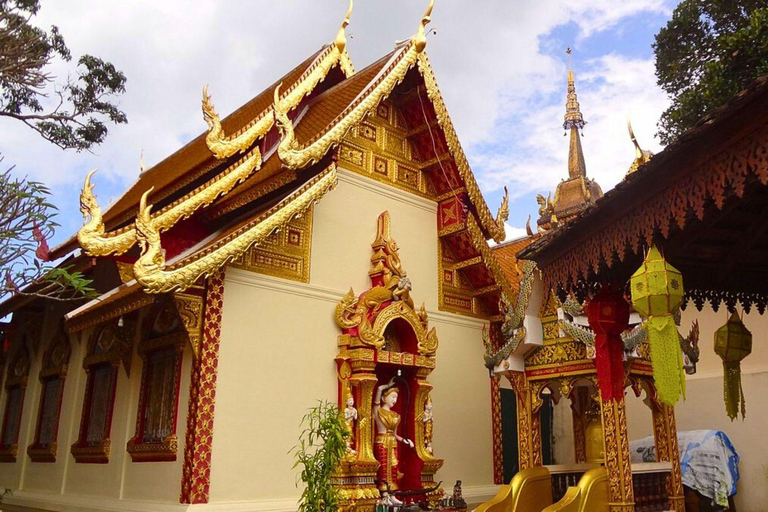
(498, 447)
(196, 475)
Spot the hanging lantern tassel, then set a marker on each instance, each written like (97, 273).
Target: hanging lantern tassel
(608, 315)
(657, 293)
(666, 357)
(733, 342)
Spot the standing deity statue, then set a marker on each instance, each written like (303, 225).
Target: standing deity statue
(387, 437)
(428, 423)
(350, 418)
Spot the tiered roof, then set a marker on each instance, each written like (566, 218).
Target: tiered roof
(221, 194)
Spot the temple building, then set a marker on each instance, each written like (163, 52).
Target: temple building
(328, 240)
(325, 239)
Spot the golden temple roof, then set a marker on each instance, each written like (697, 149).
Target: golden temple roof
(512, 267)
(193, 161)
(285, 180)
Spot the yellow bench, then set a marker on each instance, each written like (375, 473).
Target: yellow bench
(529, 491)
(590, 495)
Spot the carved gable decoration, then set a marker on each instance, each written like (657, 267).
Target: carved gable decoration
(367, 318)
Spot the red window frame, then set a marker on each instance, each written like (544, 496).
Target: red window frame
(105, 349)
(163, 450)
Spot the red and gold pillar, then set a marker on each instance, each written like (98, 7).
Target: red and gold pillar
(498, 444)
(579, 404)
(608, 315)
(617, 458)
(528, 422)
(196, 472)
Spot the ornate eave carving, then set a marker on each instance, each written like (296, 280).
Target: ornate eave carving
(95, 241)
(152, 273)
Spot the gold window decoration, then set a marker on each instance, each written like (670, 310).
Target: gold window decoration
(15, 388)
(106, 349)
(52, 377)
(162, 351)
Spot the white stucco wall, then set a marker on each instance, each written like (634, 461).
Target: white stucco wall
(279, 340)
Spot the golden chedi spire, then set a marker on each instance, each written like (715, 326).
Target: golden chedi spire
(576, 193)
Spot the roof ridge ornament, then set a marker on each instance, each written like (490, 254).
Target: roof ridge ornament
(642, 156)
(420, 39)
(224, 146)
(341, 36)
(502, 215)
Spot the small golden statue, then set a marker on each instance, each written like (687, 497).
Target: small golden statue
(428, 424)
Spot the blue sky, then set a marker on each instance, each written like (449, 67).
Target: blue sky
(501, 67)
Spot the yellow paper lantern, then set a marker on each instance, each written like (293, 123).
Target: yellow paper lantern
(657, 293)
(733, 342)
(657, 286)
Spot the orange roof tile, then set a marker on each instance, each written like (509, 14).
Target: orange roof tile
(506, 253)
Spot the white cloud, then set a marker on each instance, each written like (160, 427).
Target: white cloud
(501, 87)
(514, 232)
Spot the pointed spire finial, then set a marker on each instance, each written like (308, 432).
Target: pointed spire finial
(341, 36)
(573, 117)
(574, 122)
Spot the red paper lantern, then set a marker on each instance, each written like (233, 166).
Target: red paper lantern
(608, 315)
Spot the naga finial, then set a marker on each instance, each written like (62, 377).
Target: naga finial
(503, 214)
(420, 39)
(209, 111)
(641, 155)
(93, 227)
(152, 257)
(284, 125)
(88, 204)
(215, 139)
(341, 37)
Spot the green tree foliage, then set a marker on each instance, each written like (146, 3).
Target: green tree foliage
(26, 221)
(322, 445)
(709, 51)
(71, 114)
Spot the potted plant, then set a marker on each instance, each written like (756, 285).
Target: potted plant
(322, 445)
